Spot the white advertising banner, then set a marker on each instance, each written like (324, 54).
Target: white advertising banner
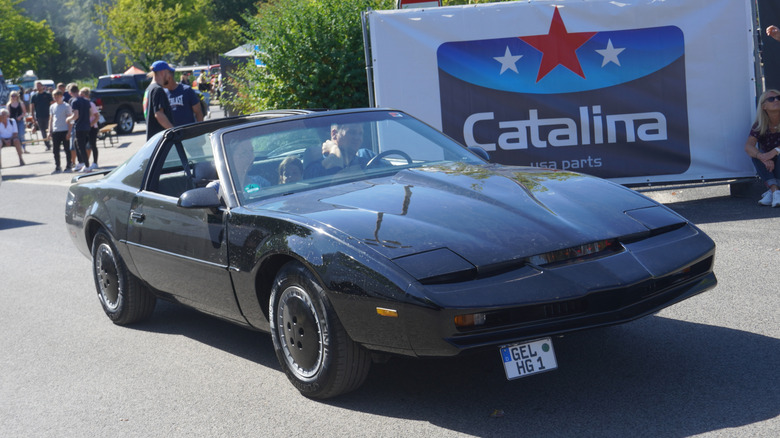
(635, 91)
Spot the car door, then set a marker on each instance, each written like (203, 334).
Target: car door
(178, 251)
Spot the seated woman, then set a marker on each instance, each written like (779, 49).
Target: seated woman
(9, 133)
(290, 170)
(763, 145)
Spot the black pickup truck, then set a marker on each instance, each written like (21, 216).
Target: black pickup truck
(120, 98)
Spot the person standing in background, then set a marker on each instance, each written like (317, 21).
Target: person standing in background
(94, 116)
(65, 94)
(39, 107)
(59, 130)
(157, 107)
(185, 104)
(80, 118)
(70, 93)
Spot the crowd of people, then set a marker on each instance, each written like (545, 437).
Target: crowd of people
(64, 116)
(68, 121)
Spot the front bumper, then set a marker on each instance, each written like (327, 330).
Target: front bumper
(648, 276)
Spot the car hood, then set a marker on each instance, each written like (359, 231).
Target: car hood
(486, 215)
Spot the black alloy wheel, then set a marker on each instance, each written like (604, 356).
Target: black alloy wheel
(124, 299)
(312, 346)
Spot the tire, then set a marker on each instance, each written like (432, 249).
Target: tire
(312, 346)
(124, 121)
(124, 299)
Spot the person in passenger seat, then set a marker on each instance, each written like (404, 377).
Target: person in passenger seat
(290, 170)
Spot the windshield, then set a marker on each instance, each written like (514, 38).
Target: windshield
(291, 155)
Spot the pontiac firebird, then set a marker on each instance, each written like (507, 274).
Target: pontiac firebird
(421, 249)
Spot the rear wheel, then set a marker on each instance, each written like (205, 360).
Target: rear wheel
(312, 346)
(124, 299)
(124, 121)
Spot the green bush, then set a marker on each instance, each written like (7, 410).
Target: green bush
(314, 56)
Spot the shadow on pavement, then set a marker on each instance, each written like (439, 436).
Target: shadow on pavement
(7, 224)
(175, 319)
(655, 376)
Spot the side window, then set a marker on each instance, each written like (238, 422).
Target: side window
(180, 169)
(259, 161)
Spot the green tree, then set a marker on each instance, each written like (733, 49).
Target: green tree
(22, 41)
(75, 35)
(313, 55)
(147, 30)
(236, 10)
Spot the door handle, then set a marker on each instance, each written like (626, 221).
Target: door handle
(137, 217)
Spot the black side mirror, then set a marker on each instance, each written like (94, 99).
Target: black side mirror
(204, 197)
(481, 153)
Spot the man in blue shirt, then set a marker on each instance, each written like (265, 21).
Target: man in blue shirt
(185, 105)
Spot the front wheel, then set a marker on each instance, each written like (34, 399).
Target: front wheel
(124, 299)
(312, 346)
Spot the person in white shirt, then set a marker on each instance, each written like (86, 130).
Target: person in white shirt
(59, 130)
(9, 133)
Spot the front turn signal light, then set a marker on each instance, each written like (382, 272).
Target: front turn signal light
(470, 320)
(390, 313)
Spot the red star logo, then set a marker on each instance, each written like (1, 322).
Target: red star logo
(558, 47)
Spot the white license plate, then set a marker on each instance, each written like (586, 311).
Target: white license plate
(528, 358)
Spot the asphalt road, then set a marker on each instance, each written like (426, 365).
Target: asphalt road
(709, 366)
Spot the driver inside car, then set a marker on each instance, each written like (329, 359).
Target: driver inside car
(342, 151)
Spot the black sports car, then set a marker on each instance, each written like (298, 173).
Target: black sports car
(350, 235)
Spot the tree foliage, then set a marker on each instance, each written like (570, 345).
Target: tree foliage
(236, 10)
(148, 30)
(75, 37)
(22, 40)
(313, 54)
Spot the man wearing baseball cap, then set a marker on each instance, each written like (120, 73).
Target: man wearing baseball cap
(157, 108)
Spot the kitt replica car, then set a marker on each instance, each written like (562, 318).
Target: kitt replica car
(357, 234)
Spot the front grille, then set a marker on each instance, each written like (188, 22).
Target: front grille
(593, 303)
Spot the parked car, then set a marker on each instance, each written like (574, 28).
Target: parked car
(120, 99)
(419, 247)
